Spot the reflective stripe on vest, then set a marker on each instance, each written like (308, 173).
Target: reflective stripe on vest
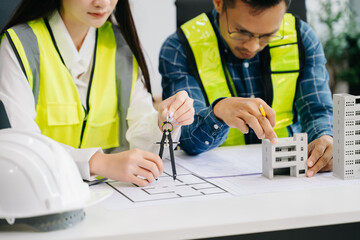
(284, 65)
(60, 114)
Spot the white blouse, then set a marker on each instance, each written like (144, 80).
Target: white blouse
(17, 96)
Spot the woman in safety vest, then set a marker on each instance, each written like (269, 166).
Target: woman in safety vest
(75, 71)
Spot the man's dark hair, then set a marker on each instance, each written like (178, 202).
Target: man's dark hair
(256, 4)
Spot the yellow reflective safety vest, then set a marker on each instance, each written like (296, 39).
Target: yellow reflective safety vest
(59, 111)
(282, 63)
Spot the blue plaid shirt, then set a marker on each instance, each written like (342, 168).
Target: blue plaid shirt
(313, 99)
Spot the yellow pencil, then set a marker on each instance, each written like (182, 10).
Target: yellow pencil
(261, 108)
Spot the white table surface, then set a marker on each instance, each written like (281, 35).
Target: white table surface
(214, 217)
(210, 218)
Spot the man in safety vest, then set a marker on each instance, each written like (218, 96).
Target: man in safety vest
(254, 72)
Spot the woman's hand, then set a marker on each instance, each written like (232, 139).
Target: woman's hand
(180, 108)
(127, 166)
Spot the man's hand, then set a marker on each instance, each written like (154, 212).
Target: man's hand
(240, 113)
(320, 155)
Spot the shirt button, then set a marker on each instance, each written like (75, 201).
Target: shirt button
(207, 142)
(225, 50)
(246, 64)
(216, 126)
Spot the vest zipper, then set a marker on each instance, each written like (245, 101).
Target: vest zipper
(83, 127)
(87, 110)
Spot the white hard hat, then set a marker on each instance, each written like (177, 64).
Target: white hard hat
(40, 184)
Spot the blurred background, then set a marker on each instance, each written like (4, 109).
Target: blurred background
(336, 22)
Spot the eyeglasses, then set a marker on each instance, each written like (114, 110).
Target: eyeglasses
(245, 36)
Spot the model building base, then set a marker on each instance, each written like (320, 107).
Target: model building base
(288, 156)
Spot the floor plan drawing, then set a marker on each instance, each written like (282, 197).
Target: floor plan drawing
(185, 185)
(189, 187)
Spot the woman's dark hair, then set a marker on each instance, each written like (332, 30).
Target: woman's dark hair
(127, 27)
(33, 9)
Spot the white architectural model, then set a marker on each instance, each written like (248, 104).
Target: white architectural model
(346, 136)
(288, 156)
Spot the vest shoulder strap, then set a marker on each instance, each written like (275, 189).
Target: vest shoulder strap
(266, 61)
(190, 40)
(191, 62)
(126, 66)
(25, 46)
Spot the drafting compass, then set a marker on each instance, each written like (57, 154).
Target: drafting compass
(166, 141)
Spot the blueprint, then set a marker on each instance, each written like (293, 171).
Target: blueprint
(209, 177)
(186, 187)
(224, 161)
(165, 187)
